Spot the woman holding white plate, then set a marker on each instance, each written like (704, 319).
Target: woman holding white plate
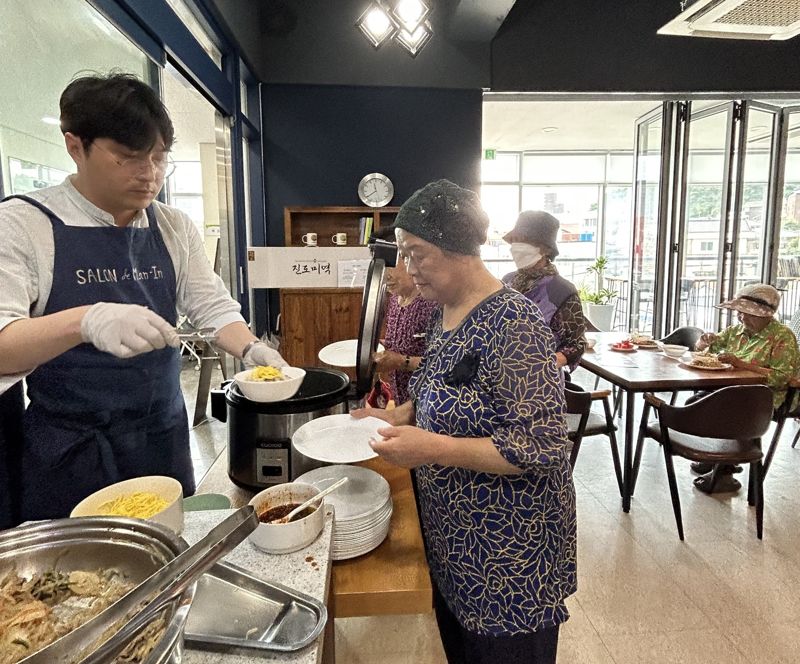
(485, 430)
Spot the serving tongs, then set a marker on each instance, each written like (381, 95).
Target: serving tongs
(205, 334)
(94, 643)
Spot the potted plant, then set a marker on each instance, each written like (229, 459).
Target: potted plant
(597, 301)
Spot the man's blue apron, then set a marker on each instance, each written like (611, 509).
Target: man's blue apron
(95, 419)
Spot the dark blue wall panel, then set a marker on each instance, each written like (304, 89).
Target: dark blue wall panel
(319, 141)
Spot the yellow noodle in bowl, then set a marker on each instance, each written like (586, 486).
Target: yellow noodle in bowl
(154, 498)
(266, 373)
(138, 505)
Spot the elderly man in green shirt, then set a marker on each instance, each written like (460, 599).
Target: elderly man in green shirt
(758, 343)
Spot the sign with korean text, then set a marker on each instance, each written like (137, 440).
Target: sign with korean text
(300, 267)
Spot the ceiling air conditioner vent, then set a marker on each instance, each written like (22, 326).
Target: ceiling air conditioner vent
(737, 19)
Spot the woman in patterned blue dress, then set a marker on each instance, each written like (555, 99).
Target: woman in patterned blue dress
(485, 429)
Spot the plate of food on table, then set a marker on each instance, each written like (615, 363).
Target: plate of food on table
(624, 346)
(643, 341)
(706, 361)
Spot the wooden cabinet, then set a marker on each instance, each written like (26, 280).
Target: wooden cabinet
(312, 318)
(325, 221)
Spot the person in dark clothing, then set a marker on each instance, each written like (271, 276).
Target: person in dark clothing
(533, 248)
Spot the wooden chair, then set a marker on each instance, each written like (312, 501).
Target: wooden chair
(724, 427)
(581, 421)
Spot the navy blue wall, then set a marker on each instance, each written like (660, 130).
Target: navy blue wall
(319, 141)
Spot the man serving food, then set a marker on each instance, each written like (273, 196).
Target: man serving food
(93, 275)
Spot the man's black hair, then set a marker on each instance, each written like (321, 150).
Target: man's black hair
(117, 106)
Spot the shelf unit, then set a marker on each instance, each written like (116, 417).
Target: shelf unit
(312, 318)
(325, 221)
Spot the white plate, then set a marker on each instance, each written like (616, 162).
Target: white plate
(723, 367)
(342, 353)
(364, 496)
(338, 438)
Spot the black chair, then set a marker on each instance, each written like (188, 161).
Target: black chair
(724, 427)
(784, 412)
(683, 336)
(581, 421)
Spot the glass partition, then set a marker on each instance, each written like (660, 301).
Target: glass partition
(648, 198)
(707, 173)
(38, 64)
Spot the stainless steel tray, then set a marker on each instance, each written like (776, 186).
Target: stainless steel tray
(235, 609)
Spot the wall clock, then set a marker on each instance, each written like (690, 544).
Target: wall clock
(375, 190)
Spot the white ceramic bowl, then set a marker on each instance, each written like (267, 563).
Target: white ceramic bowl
(292, 536)
(167, 488)
(674, 350)
(271, 390)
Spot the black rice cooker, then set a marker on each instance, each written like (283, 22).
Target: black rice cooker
(260, 451)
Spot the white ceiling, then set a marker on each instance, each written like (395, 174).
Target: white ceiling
(581, 125)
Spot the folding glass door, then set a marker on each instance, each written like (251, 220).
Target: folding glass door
(700, 246)
(717, 191)
(654, 145)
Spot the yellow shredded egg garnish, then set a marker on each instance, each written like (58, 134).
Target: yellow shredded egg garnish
(266, 374)
(139, 505)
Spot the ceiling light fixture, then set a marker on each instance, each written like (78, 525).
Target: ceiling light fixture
(406, 23)
(410, 14)
(376, 25)
(51, 120)
(549, 130)
(413, 42)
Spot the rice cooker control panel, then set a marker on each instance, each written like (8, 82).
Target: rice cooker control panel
(272, 462)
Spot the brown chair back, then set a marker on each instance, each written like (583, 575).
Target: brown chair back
(740, 412)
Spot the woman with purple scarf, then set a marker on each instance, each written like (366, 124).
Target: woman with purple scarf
(533, 248)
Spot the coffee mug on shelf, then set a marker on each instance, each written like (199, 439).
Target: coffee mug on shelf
(339, 239)
(309, 239)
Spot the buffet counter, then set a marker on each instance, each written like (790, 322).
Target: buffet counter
(306, 571)
(392, 579)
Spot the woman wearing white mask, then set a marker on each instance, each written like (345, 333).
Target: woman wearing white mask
(533, 248)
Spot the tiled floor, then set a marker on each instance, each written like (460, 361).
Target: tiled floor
(644, 596)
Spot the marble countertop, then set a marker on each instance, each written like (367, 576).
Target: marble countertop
(307, 571)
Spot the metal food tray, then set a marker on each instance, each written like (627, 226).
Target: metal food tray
(233, 608)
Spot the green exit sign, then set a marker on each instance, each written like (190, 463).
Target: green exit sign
(489, 155)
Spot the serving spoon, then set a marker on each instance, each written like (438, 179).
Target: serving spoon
(313, 499)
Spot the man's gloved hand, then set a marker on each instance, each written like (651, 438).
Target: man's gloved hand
(126, 330)
(261, 355)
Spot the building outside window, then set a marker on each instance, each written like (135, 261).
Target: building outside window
(589, 193)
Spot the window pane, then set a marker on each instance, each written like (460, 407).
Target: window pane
(38, 64)
(577, 210)
(501, 203)
(620, 168)
(504, 168)
(618, 231)
(545, 168)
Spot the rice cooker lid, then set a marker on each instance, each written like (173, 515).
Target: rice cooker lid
(372, 313)
(321, 388)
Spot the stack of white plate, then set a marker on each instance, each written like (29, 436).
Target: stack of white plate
(363, 508)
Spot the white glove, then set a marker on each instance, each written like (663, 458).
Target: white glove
(126, 330)
(261, 355)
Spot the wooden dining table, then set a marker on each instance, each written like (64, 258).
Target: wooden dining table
(649, 370)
